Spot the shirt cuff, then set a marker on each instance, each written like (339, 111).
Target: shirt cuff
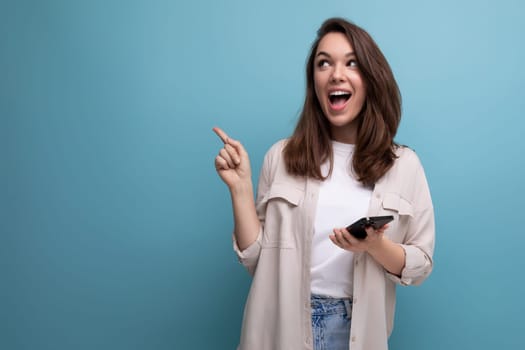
(417, 267)
(249, 256)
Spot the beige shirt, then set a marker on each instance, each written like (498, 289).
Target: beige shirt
(277, 315)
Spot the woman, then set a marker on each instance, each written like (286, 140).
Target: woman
(315, 286)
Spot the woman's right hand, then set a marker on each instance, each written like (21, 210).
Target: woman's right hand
(232, 163)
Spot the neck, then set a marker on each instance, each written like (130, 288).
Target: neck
(344, 134)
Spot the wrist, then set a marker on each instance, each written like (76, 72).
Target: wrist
(242, 188)
(378, 246)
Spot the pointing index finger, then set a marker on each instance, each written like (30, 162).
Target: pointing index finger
(222, 135)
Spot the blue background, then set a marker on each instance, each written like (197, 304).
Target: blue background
(115, 229)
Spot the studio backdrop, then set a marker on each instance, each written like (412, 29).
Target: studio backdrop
(115, 231)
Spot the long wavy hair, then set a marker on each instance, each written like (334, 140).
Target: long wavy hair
(374, 153)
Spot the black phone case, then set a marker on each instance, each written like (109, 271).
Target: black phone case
(357, 229)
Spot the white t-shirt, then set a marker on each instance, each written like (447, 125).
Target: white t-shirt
(342, 200)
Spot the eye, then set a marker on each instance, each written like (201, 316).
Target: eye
(323, 64)
(352, 63)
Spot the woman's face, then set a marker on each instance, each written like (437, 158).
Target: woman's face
(338, 85)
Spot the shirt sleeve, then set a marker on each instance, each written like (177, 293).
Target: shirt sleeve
(418, 253)
(419, 241)
(250, 256)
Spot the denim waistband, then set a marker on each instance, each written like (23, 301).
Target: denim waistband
(327, 305)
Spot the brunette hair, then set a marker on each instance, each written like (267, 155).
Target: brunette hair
(374, 153)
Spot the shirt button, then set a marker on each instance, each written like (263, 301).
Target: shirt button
(353, 338)
(378, 195)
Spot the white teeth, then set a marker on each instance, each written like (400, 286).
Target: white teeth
(338, 93)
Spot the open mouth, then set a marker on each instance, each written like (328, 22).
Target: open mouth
(338, 99)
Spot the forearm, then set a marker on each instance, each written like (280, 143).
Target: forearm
(390, 255)
(246, 222)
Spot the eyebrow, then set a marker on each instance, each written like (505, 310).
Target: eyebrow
(322, 53)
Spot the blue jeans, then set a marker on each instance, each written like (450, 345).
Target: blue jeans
(331, 319)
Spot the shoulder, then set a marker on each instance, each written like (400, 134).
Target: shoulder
(407, 158)
(277, 148)
(274, 166)
(274, 155)
(407, 175)
(406, 170)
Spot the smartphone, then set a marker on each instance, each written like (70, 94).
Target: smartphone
(357, 229)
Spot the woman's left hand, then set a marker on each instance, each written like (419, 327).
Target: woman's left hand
(343, 239)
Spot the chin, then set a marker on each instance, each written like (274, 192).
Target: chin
(340, 120)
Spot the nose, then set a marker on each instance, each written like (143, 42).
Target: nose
(337, 73)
